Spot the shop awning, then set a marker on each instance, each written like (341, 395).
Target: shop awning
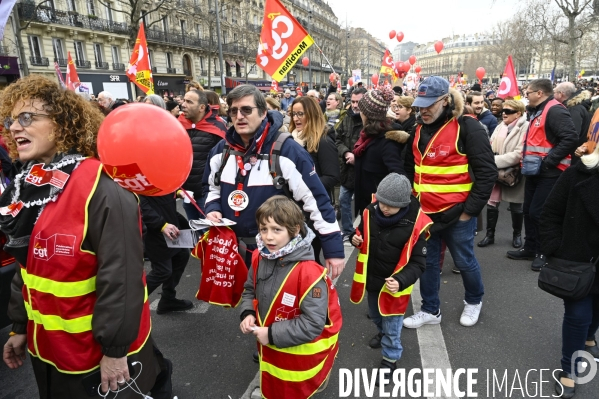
(231, 63)
(240, 64)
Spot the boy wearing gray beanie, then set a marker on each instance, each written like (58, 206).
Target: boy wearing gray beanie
(392, 241)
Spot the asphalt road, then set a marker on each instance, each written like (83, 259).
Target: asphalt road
(519, 333)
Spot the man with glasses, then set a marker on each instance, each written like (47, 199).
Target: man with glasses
(450, 161)
(239, 179)
(549, 141)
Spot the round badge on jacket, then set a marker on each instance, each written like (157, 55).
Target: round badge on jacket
(238, 200)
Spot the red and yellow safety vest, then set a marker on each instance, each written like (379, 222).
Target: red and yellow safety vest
(536, 142)
(389, 304)
(60, 281)
(298, 371)
(441, 177)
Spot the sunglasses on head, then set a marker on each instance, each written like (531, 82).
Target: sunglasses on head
(245, 110)
(509, 111)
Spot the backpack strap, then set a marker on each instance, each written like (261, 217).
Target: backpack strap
(223, 161)
(274, 165)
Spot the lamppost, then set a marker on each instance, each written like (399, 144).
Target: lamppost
(310, 49)
(220, 51)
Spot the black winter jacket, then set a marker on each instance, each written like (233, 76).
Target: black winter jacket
(474, 142)
(489, 120)
(569, 223)
(155, 212)
(560, 132)
(385, 250)
(325, 163)
(381, 157)
(202, 142)
(579, 105)
(348, 133)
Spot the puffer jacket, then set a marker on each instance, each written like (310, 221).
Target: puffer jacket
(202, 142)
(348, 132)
(579, 105)
(271, 275)
(488, 119)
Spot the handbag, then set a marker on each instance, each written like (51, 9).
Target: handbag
(509, 176)
(567, 279)
(531, 165)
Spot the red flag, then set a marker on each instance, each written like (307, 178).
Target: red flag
(387, 65)
(138, 69)
(72, 78)
(274, 87)
(283, 41)
(509, 84)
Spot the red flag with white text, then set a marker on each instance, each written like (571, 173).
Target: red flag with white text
(72, 79)
(509, 84)
(283, 41)
(139, 70)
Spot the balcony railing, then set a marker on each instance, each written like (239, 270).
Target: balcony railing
(101, 65)
(62, 62)
(171, 70)
(204, 72)
(4, 50)
(46, 15)
(118, 67)
(83, 64)
(39, 61)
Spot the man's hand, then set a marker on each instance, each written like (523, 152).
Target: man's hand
(14, 351)
(392, 285)
(349, 158)
(248, 324)
(214, 217)
(114, 372)
(170, 231)
(357, 240)
(335, 266)
(580, 151)
(464, 217)
(261, 334)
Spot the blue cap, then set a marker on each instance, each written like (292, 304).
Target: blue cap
(430, 90)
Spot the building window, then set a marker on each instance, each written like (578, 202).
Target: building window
(58, 47)
(202, 63)
(235, 37)
(165, 24)
(215, 64)
(91, 8)
(109, 13)
(98, 53)
(143, 14)
(169, 60)
(79, 50)
(151, 57)
(35, 46)
(71, 5)
(182, 24)
(200, 30)
(225, 34)
(116, 54)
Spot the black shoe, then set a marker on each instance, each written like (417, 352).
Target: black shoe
(455, 270)
(375, 342)
(386, 365)
(563, 391)
(163, 387)
(173, 305)
(488, 240)
(492, 216)
(517, 221)
(521, 254)
(256, 356)
(517, 240)
(593, 350)
(538, 263)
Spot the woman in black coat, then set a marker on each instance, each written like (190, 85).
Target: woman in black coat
(377, 151)
(569, 229)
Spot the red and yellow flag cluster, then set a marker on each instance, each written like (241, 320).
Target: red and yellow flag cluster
(139, 70)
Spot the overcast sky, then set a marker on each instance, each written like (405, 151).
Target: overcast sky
(422, 21)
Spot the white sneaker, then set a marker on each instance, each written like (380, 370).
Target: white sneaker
(421, 318)
(470, 314)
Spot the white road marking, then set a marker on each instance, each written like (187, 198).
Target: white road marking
(199, 306)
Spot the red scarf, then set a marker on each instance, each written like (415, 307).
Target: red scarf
(361, 144)
(209, 124)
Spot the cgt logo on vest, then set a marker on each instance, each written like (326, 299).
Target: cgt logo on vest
(57, 244)
(441, 151)
(283, 314)
(131, 178)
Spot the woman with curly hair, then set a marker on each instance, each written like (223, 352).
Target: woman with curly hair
(78, 300)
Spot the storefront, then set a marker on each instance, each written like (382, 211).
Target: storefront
(169, 85)
(263, 85)
(9, 70)
(116, 84)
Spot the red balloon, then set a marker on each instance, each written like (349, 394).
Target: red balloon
(480, 73)
(439, 46)
(391, 34)
(399, 36)
(400, 66)
(144, 149)
(374, 79)
(406, 67)
(412, 59)
(350, 81)
(305, 61)
(332, 76)
(417, 69)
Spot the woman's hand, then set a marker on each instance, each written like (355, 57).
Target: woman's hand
(261, 334)
(392, 285)
(248, 324)
(15, 351)
(114, 372)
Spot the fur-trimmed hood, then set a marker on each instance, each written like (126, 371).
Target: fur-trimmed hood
(458, 101)
(578, 98)
(398, 135)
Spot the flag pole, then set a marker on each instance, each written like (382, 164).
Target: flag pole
(325, 57)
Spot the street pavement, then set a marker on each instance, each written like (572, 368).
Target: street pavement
(519, 332)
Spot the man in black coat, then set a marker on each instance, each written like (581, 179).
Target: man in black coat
(578, 103)
(205, 129)
(347, 134)
(452, 205)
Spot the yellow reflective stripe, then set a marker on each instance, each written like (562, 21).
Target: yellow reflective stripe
(359, 278)
(407, 291)
(57, 323)
(310, 348)
(362, 257)
(288, 375)
(442, 188)
(442, 170)
(60, 289)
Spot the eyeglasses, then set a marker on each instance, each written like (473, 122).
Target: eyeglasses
(508, 111)
(394, 106)
(245, 110)
(529, 92)
(298, 114)
(24, 118)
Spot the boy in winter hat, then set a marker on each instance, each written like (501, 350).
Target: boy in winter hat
(392, 241)
(290, 304)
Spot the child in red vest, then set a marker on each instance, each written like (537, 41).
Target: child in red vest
(290, 305)
(392, 242)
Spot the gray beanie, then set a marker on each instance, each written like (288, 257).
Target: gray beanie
(394, 190)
